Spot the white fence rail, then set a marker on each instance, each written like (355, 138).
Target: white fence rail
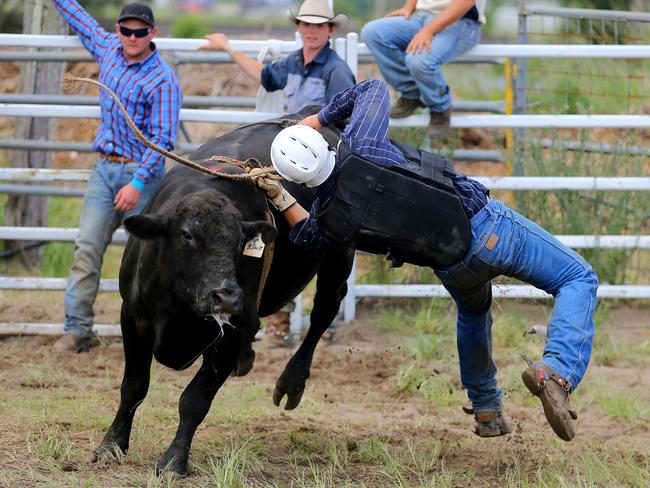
(58, 234)
(483, 51)
(457, 121)
(492, 182)
(351, 50)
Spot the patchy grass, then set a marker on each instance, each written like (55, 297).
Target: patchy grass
(623, 406)
(376, 413)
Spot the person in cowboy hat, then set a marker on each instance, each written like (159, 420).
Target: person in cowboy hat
(310, 75)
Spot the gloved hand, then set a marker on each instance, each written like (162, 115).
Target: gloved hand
(280, 198)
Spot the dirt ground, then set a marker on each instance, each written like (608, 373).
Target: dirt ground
(360, 423)
(55, 410)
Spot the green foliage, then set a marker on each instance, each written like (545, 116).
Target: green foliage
(235, 464)
(362, 11)
(57, 257)
(590, 213)
(413, 378)
(601, 4)
(191, 26)
(429, 329)
(51, 442)
(11, 16)
(373, 449)
(622, 406)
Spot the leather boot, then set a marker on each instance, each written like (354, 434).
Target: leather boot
(277, 329)
(70, 343)
(439, 124)
(404, 107)
(489, 424)
(554, 392)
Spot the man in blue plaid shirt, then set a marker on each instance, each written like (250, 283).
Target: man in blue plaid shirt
(126, 172)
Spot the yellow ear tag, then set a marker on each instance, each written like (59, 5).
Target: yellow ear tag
(255, 247)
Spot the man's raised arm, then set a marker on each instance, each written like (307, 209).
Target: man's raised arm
(87, 29)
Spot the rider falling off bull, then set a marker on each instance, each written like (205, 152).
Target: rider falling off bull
(381, 197)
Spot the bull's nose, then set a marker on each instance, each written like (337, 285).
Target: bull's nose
(227, 298)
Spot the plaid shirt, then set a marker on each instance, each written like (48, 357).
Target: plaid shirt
(368, 106)
(148, 90)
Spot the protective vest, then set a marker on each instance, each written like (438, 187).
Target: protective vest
(410, 213)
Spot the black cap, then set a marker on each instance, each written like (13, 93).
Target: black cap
(137, 11)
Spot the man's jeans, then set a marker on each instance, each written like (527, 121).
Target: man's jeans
(418, 75)
(506, 243)
(99, 219)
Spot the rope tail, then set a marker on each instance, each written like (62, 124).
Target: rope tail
(69, 82)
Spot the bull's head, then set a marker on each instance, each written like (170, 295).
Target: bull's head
(204, 237)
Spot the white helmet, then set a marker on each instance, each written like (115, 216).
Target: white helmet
(300, 154)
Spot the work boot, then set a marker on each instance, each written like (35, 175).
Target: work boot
(70, 343)
(554, 392)
(439, 123)
(489, 424)
(277, 330)
(404, 107)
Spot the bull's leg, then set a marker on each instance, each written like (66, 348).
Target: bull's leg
(331, 288)
(193, 407)
(135, 384)
(246, 358)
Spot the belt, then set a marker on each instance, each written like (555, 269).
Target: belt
(114, 158)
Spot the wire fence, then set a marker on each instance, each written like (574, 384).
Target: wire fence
(587, 86)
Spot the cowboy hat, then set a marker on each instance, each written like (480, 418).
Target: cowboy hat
(317, 12)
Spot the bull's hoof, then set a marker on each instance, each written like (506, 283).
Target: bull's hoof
(293, 397)
(170, 463)
(107, 450)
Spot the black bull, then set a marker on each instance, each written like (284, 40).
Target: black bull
(188, 290)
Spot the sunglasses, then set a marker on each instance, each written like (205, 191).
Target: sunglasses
(139, 33)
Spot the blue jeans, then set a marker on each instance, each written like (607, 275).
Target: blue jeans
(418, 75)
(99, 220)
(506, 243)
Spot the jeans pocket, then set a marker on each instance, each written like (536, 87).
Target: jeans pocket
(500, 244)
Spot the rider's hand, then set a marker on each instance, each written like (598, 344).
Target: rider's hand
(312, 121)
(280, 198)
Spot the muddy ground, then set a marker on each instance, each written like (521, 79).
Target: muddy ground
(357, 425)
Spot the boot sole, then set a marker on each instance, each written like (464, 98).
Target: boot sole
(557, 416)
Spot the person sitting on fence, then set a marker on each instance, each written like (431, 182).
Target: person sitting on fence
(310, 75)
(126, 173)
(411, 44)
(382, 197)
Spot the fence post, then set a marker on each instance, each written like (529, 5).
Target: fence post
(40, 17)
(520, 92)
(352, 52)
(350, 300)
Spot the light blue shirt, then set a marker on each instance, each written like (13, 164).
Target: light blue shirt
(317, 83)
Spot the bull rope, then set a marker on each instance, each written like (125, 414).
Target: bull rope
(69, 82)
(267, 259)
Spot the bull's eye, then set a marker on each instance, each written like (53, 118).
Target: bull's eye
(186, 236)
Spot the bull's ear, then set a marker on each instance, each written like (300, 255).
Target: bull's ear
(146, 226)
(251, 229)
